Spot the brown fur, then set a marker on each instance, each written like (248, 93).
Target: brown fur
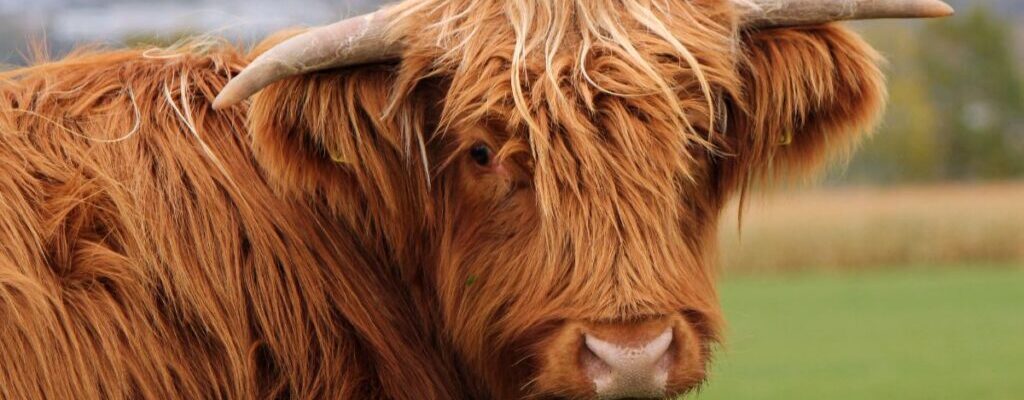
(333, 240)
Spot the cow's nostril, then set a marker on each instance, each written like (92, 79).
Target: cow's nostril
(628, 370)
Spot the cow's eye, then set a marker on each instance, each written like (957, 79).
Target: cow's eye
(481, 155)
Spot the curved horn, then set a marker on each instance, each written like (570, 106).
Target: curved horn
(358, 40)
(779, 13)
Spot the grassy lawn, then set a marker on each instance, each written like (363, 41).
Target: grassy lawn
(920, 334)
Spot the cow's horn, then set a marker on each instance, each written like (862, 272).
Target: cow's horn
(780, 13)
(358, 40)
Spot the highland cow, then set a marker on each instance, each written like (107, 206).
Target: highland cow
(446, 199)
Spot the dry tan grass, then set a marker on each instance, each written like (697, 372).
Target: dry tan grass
(834, 229)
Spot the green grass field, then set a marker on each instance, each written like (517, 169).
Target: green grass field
(914, 334)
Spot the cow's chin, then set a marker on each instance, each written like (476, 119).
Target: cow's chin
(653, 358)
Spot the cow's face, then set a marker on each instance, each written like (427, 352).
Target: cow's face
(578, 189)
(584, 262)
(563, 169)
(577, 217)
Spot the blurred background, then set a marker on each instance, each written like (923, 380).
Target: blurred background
(900, 275)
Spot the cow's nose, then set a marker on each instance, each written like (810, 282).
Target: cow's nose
(628, 366)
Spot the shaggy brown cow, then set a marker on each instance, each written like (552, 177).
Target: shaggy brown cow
(504, 199)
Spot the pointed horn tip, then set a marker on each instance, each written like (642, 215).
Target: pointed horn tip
(937, 9)
(228, 96)
(221, 102)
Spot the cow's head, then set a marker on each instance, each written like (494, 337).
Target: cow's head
(554, 170)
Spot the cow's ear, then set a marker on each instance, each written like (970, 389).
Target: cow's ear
(339, 137)
(810, 94)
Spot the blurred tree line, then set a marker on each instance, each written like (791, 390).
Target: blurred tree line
(12, 39)
(956, 108)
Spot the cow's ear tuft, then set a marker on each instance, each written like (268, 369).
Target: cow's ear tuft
(295, 125)
(810, 95)
(337, 136)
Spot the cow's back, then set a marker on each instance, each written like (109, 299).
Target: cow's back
(142, 253)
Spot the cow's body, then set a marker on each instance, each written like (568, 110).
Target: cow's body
(471, 221)
(143, 253)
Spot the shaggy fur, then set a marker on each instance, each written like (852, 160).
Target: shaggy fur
(332, 239)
